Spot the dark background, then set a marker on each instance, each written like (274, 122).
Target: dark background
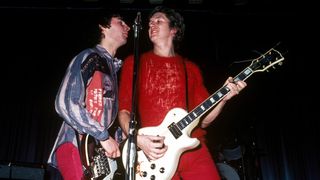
(274, 119)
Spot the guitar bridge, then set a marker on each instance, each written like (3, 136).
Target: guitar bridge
(101, 164)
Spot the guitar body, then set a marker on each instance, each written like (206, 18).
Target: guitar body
(96, 165)
(165, 167)
(178, 124)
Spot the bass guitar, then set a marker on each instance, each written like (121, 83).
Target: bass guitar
(178, 125)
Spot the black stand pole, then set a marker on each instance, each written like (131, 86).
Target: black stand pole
(131, 150)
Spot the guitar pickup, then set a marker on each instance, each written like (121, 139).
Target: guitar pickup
(175, 131)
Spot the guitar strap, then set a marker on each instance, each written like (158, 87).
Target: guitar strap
(186, 75)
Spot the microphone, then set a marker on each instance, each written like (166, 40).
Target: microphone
(137, 24)
(137, 21)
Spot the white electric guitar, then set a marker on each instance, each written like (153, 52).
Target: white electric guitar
(178, 125)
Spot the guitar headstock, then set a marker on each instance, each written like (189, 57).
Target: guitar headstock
(269, 59)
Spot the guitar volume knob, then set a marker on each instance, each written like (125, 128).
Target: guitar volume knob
(161, 170)
(143, 174)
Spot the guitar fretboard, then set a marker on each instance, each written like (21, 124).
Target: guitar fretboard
(176, 128)
(262, 63)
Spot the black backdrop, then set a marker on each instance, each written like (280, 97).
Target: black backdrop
(273, 118)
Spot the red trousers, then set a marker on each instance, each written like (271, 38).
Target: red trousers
(69, 162)
(197, 164)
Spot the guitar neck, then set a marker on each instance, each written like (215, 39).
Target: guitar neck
(265, 61)
(211, 101)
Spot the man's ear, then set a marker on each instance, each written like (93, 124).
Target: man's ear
(173, 32)
(101, 27)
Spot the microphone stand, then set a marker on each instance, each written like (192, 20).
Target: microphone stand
(131, 150)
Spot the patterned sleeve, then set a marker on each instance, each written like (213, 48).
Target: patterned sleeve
(70, 104)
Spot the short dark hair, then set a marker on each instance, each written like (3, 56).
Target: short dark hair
(175, 18)
(103, 19)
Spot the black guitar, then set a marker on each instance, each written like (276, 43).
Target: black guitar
(178, 124)
(95, 164)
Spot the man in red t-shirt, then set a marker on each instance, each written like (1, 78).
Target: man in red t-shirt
(168, 86)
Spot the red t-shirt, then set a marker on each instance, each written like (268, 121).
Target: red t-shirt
(161, 87)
